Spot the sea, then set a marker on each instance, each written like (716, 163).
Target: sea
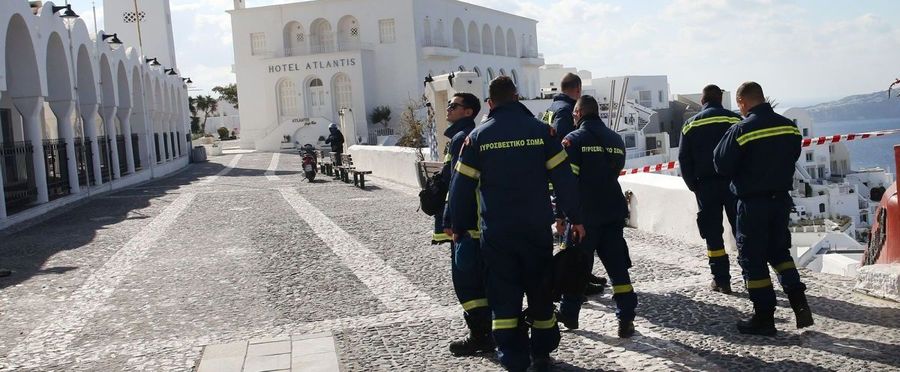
(867, 153)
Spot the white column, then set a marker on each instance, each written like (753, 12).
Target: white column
(109, 119)
(30, 109)
(124, 114)
(2, 193)
(157, 136)
(63, 111)
(88, 112)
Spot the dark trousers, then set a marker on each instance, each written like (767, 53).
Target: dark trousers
(519, 263)
(467, 270)
(608, 241)
(713, 196)
(763, 238)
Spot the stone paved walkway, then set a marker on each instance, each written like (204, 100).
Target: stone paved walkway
(240, 250)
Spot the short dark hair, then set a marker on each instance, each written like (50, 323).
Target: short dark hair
(588, 105)
(503, 90)
(569, 82)
(469, 100)
(751, 91)
(712, 94)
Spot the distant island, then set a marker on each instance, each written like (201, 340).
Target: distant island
(859, 107)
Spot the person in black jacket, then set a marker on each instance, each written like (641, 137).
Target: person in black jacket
(466, 264)
(560, 111)
(596, 156)
(336, 139)
(699, 137)
(759, 156)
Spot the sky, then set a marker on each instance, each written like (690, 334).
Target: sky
(803, 52)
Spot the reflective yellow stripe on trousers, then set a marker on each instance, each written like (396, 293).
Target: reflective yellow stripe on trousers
(508, 323)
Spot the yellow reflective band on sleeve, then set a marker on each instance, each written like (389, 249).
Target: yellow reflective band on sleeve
(761, 283)
(710, 120)
(556, 159)
(468, 171)
(441, 237)
(508, 323)
(785, 266)
(474, 304)
(576, 169)
(716, 253)
(622, 288)
(447, 158)
(550, 185)
(475, 234)
(766, 133)
(545, 324)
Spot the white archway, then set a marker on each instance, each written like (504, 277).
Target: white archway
(287, 98)
(511, 44)
(499, 42)
(321, 36)
(342, 91)
(426, 27)
(348, 33)
(294, 39)
(315, 97)
(474, 38)
(487, 40)
(459, 35)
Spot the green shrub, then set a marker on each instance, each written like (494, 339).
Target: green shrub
(223, 133)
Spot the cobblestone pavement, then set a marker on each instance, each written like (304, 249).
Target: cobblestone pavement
(242, 248)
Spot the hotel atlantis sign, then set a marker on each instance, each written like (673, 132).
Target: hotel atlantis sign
(314, 65)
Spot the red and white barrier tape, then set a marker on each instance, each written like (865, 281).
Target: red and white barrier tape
(806, 142)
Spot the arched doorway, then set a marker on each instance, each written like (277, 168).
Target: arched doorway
(294, 39)
(342, 90)
(315, 97)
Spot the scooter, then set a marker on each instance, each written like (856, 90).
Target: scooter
(309, 161)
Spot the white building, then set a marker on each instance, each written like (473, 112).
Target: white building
(298, 65)
(648, 91)
(551, 75)
(78, 115)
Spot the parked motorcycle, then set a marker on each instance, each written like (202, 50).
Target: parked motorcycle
(308, 153)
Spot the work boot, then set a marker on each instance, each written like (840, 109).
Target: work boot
(598, 280)
(724, 288)
(5, 272)
(566, 321)
(593, 289)
(541, 364)
(801, 309)
(472, 345)
(759, 324)
(626, 328)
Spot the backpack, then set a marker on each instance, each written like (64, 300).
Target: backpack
(433, 195)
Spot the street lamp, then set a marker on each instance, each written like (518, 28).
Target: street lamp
(170, 71)
(112, 40)
(68, 14)
(152, 61)
(187, 80)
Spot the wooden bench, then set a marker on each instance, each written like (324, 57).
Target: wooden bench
(347, 168)
(427, 169)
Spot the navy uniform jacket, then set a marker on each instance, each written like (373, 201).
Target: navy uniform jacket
(336, 139)
(699, 137)
(509, 160)
(457, 132)
(759, 153)
(561, 115)
(597, 155)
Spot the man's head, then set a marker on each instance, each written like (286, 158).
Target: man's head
(711, 94)
(332, 127)
(571, 85)
(502, 91)
(749, 95)
(584, 107)
(463, 105)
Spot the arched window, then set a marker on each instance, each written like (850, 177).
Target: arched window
(322, 38)
(490, 73)
(348, 33)
(439, 39)
(502, 72)
(294, 39)
(515, 77)
(476, 71)
(821, 207)
(487, 40)
(511, 43)
(499, 42)
(287, 98)
(426, 26)
(462, 68)
(459, 35)
(474, 38)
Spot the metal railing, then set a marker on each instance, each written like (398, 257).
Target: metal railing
(120, 148)
(156, 145)
(435, 42)
(172, 142)
(136, 151)
(104, 145)
(83, 161)
(374, 133)
(19, 188)
(178, 136)
(56, 162)
(166, 145)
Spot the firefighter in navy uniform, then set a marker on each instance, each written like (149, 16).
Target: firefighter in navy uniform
(560, 111)
(759, 155)
(597, 156)
(699, 137)
(509, 160)
(467, 267)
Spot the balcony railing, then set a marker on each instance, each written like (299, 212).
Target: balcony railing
(56, 162)
(83, 155)
(19, 188)
(346, 46)
(136, 150)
